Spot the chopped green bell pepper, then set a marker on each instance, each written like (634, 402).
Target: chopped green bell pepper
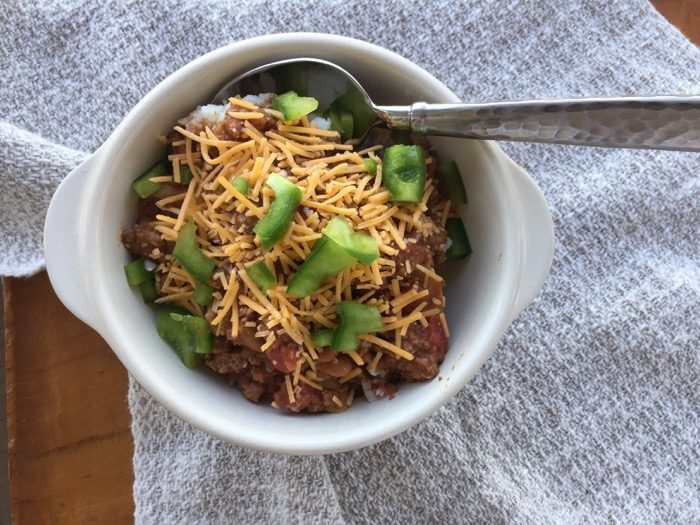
(149, 291)
(185, 174)
(136, 272)
(338, 248)
(361, 246)
(293, 107)
(452, 181)
(262, 276)
(190, 255)
(137, 275)
(327, 258)
(341, 121)
(362, 115)
(143, 185)
(203, 294)
(459, 247)
(240, 183)
(371, 166)
(188, 334)
(275, 224)
(322, 338)
(355, 319)
(197, 329)
(404, 173)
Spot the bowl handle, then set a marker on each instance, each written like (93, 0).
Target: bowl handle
(64, 231)
(538, 240)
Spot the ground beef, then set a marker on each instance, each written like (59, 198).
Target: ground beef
(260, 376)
(250, 370)
(142, 239)
(264, 124)
(379, 388)
(416, 253)
(437, 241)
(251, 390)
(147, 209)
(428, 346)
(284, 354)
(245, 337)
(333, 364)
(428, 251)
(310, 399)
(230, 127)
(243, 224)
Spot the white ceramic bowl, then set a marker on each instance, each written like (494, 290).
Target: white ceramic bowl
(507, 219)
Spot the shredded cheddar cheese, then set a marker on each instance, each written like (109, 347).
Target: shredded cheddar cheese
(334, 181)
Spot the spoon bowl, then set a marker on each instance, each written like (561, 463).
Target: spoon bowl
(325, 81)
(330, 80)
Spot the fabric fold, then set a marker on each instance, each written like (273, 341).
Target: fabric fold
(30, 170)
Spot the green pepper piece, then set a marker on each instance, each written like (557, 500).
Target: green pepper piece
(460, 246)
(347, 124)
(327, 258)
(275, 224)
(185, 174)
(190, 359)
(453, 182)
(404, 172)
(322, 338)
(262, 276)
(197, 330)
(341, 121)
(370, 166)
(361, 246)
(293, 107)
(143, 186)
(240, 183)
(203, 294)
(355, 319)
(136, 273)
(354, 102)
(149, 292)
(333, 115)
(338, 248)
(190, 255)
(189, 335)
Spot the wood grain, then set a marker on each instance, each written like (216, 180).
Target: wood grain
(70, 447)
(684, 14)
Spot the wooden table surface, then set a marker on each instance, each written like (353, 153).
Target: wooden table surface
(70, 446)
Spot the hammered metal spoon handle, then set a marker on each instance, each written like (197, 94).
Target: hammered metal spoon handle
(659, 122)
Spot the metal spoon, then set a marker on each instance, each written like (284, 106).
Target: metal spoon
(670, 122)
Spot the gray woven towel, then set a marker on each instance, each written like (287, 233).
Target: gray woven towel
(588, 411)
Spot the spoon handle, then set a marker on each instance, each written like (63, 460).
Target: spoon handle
(659, 122)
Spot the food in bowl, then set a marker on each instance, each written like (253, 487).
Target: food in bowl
(295, 257)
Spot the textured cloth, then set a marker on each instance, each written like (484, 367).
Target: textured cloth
(589, 409)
